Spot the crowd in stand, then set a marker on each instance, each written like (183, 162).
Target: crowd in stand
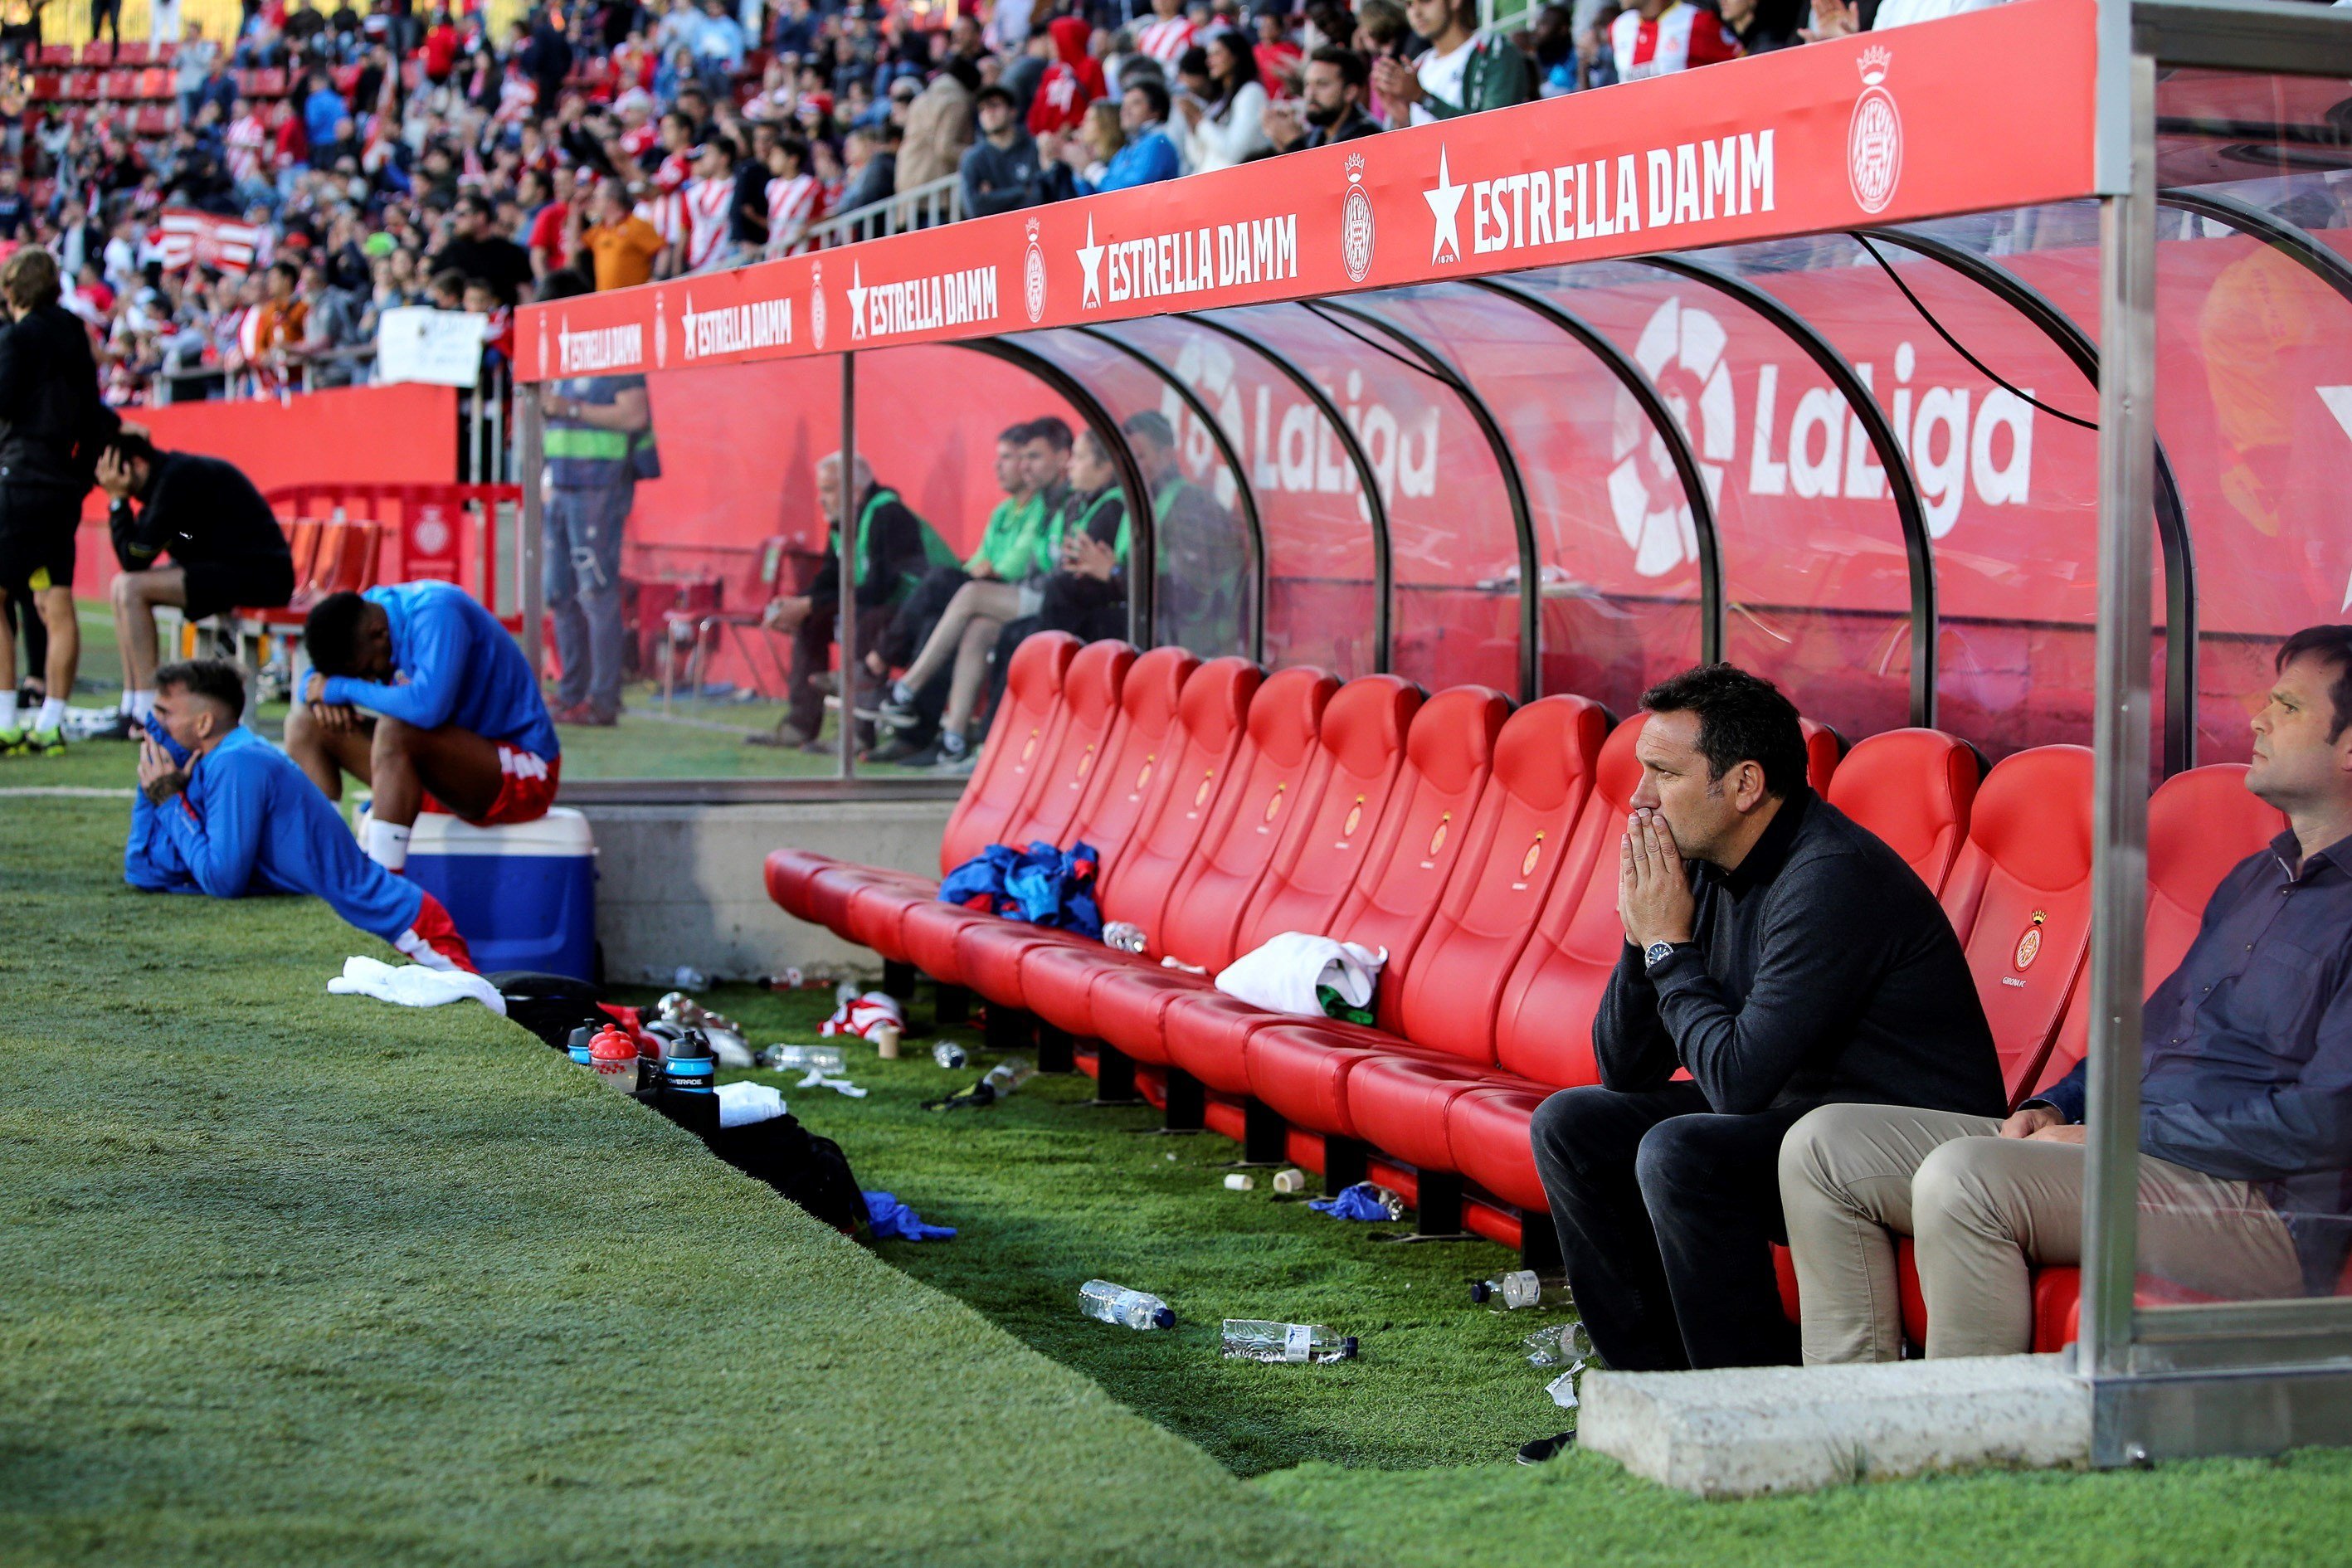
(363, 163)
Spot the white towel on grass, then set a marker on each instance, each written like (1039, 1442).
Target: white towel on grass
(414, 985)
(1281, 976)
(741, 1104)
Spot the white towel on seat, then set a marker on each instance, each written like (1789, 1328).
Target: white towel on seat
(1281, 976)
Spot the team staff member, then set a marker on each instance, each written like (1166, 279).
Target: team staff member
(599, 443)
(226, 547)
(221, 812)
(1785, 957)
(897, 549)
(2245, 1117)
(457, 724)
(52, 422)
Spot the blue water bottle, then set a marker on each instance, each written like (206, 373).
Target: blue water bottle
(688, 1065)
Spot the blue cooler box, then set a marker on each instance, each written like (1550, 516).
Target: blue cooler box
(524, 897)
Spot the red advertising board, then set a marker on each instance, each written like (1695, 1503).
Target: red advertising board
(1992, 109)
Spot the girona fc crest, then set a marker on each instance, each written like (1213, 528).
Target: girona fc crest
(2029, 946)
(1356, 222)
(1873, 140)
(1032, 278)
(816, 305)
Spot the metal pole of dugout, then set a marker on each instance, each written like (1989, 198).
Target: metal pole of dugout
(2250, 1376)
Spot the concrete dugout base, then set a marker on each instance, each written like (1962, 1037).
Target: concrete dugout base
(1753, 1430)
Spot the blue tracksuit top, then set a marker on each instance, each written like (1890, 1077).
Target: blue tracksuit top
(455, 666)
(251, 822)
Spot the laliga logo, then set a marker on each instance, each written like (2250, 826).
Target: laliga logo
(1356, 222)
(1032, 278)
(1874, 140)
(816, 303)
(1680, 349)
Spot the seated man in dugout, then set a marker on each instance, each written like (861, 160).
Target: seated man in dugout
(1787, 959)
(221, 812)
(417, 692)
(2245, 1128)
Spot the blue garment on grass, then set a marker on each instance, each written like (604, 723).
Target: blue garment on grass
(892, 1220)
(1358, 1202)
(251, 822)
(1041, 884)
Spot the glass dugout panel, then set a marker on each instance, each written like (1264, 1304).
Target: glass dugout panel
(1319, 578)
(1621, 600)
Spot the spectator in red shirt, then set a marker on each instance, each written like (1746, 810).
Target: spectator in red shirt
(1278, 55)
(1074, 81)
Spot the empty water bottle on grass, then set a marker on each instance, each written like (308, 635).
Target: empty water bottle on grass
(1559, 1344)
(1520, 1288)
(803, 1058)
(1009, 1075)
(950, 1055)
(1117, 1304)
(1253, 1338)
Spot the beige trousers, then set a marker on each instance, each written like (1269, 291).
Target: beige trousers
(1983, 1210)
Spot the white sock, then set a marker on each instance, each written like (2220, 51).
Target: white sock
(387, 844)
(143, 703)
(8, 709)
(53, 713)
(122, 703)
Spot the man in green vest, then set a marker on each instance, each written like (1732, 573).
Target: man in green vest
(1465, 71)
(960, 645)
(1006, 547)
(897, 549)
(598, 445)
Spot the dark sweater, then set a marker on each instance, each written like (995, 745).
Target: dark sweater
(199, 508)
(1821, 970)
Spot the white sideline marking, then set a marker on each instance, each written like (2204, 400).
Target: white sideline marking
(69, 792)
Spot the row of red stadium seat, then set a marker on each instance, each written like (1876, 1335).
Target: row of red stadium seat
(98, 52)
(1475, 845)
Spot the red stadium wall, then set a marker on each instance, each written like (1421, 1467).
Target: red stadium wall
(399, 434)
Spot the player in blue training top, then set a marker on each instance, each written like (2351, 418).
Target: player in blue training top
(455, 721)
(223, 812)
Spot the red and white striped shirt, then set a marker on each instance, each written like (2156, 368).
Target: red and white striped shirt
(1167, 39)
(665, 209)
(1684, 36)
(706, 203)
(792, 205)
(246, 138)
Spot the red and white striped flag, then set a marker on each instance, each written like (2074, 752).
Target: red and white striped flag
(226, 245)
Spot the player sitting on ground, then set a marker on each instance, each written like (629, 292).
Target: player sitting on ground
(456, 721)
(221, 812)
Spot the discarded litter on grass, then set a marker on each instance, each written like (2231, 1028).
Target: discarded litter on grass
(1255, 1338)
(1116, 1304)
(1362, 1202)
(1559, 1344)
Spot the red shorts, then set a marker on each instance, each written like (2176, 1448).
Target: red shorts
(525, 789)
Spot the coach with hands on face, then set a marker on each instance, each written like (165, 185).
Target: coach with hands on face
(1787, 959)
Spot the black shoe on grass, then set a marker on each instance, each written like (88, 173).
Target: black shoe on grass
(1544, 1449)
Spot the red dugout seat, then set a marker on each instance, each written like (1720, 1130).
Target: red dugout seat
(988, 956)
(1518, 846)
(2019, 898)
(1913, 788)
(1272, 780)
(1079, 729)
(1319, 853)
(1033, 692)
(1448, 755)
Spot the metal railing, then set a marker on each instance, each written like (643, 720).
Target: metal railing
(925, 206)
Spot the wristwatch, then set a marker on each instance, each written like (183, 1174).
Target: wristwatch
(1654, 954)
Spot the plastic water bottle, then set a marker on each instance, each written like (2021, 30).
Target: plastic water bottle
(577, 1045)
(1559, 1345)
(614, 1057)
(1009, 1075)
(803, 1058)
(950, 1055)
(1520, 1288)
(1117, 1304)
(1253, 1338)
(1124, 936)
(688, 1068)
